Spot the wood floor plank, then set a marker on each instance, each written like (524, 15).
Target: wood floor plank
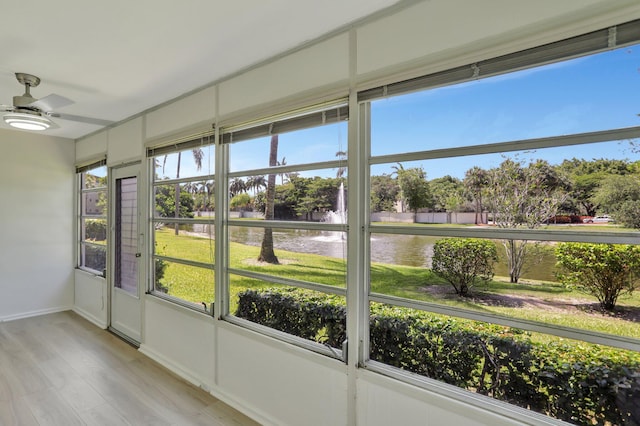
(103, 415)
(228, 415)
(16, 413)
(127, 399)
(50, 409)
(176, 392)
(23, 375)
(60, 369)
(80, 395)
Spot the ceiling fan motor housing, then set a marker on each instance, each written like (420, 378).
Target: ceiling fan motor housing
(23, 101)
(28, 80)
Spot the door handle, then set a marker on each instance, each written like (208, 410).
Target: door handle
(138, 254)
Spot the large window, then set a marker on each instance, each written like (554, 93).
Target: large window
(287, 188)
(182, 222)
(92, 223)
(492, 227)
(503, 235)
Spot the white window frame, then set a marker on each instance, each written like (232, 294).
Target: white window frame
(82, 216)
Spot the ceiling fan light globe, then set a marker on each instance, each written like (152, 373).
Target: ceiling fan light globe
(27, 121)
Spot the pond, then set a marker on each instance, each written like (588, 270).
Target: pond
(407, 250)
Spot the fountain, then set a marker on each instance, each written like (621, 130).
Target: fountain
(339, 216)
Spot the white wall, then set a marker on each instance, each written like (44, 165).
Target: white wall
(36, 224)
(272, 381)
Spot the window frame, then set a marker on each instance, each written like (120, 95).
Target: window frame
(588, 44)
(311, 117)
(82, 217)
(202, 140)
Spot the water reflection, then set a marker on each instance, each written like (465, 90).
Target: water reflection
(407, 250)
(324, 243)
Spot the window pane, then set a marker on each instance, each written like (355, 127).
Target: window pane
(185, 164)
(95, 178)
(304, 313)
(560, 188)
(311, 256)
(94, 203)
(532, 370)
(566, 284)
(94, 257)
(193, 242)
(196, 199)
(185, 282)
(94, 230)
(316, 195)
(585, 94)
(323, 143)
(92, 226)
(188, 242)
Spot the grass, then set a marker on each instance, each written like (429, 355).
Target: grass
(556, 302)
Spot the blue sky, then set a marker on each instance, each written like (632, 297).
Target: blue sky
(581, 95)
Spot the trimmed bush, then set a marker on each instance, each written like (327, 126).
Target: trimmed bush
(303, 313)
(577, 382)
(464, 262)
(603, 270)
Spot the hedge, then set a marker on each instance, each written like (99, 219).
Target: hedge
(577, 382)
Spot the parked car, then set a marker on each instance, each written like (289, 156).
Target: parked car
(598, 219)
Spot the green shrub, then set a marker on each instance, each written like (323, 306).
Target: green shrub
(160, 269)
(95, 229)
(603, 270)
(463, 262)
(577, 382)
(302, 313)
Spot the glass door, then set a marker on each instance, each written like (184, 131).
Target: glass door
(126, 254)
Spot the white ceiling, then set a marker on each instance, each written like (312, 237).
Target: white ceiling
(117, 58)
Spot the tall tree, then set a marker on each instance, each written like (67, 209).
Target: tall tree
(255, 183)
(384, 193)
(475, 180)
(198, 155)
(237, 186)
(621, 195)
(282, 162)
(447, 193)
(266, 250)
(523, 197)
(587, 176)
(414, 188)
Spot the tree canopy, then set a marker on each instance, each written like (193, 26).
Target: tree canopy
(414, 187)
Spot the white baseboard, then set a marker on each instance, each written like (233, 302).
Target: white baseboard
(90, 317)
(35, 313)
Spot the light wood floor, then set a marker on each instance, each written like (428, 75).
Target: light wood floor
(59, 369)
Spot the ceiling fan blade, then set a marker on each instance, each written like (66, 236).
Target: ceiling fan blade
(51, 102)
(6, 108)
(80, 119)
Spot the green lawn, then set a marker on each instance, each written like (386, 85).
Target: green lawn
(547, 302)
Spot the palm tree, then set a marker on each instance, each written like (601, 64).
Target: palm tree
(476, 179)
(237, 186)
(254, 183)
(266, 250)
(198, 155)
(281, 163)
(207, 188)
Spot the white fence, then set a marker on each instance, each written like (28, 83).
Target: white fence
(430, 217)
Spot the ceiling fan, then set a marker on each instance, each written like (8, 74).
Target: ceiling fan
(29, 113)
